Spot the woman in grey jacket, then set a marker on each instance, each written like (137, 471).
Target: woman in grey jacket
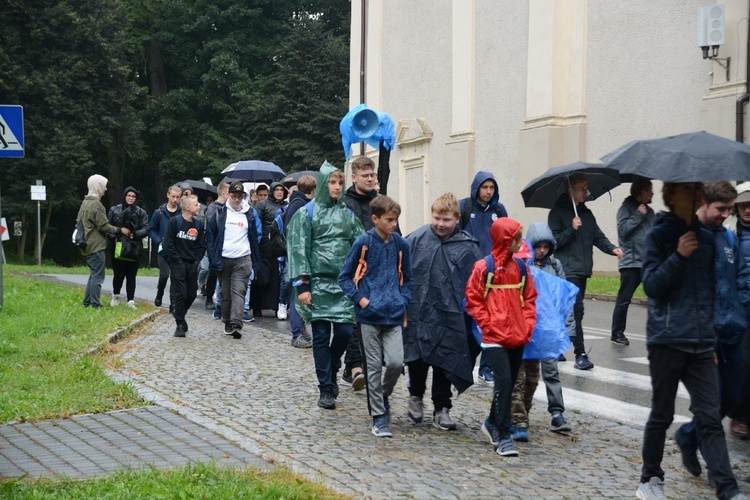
(634, 219)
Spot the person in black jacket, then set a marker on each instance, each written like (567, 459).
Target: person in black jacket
(679, 280)
(357, 198)
(129, 215)
(184, 245)
(576, 232)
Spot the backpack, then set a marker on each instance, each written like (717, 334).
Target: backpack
(468, 204)
(489, 283)
(78, 237)
(277, 236)
(362, 266)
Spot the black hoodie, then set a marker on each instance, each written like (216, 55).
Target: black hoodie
(132, 216)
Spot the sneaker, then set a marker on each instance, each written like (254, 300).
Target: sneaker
(157, 301)
(179, 331)
(302, 342)
(485, 374)
(521, 434)
(237, 331)
(442, 420)
(247, 318)
(380, 427)
(347, 377)
(739, 429)
(171, 308)
(236, 335)
(583, 363)
(217, 312)
(562, 358)
(654, 488)
(620, 339)
(689, 455)
(416, 412)
(559, 424)
(359, 381)
(326, 400)
(506, 448)
(490, 430)
(184, 325)
(228, 330)
(115, 300)
(131, 304)
(281, 313)
(210, 304)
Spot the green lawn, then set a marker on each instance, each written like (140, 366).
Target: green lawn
(51, 268)
(46, 372)
(608, 285)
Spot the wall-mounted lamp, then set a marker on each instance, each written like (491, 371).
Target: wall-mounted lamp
(711, 34)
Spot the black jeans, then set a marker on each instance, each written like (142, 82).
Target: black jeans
(164, 269)
(211, 285)
(183, 287)
(669, 366)
(630, 278)
(505, 364)
(353, 354)
(580, 282)
(124, 270)
(441, 386)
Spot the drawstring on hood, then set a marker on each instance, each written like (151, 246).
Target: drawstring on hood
(97, 185)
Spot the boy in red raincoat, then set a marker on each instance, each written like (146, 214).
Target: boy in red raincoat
(502, 302)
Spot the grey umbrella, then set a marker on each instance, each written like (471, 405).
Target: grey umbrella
(201, 189)
(693, 157)
(294, 177)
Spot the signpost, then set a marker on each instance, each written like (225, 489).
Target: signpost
(12, 144)
(39, 193)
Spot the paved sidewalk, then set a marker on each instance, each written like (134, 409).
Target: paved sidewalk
(253, 402)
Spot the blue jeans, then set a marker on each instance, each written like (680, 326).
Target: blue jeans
(295, 320)
(249, 290)
(669, 366)
(96, 278)
(731, 370)
(285, 287)
(327, 351)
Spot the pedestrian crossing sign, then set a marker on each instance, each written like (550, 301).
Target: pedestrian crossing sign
(11, 131)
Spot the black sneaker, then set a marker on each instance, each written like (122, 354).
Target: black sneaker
(620, 339)
(689, 456)
(179, 331)
(347, 377)
(562, 358)
(171, 308)
(326, 401)
(184, 325)
(210, 304)
(559, 424)
(237, 331)
(583, 363)
(157, 301)
(228, 330)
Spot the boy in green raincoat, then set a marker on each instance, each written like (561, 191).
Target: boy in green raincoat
(319, 238)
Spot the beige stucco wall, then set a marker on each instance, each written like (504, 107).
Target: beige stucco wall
(553, 81)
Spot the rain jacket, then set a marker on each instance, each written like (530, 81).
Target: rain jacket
(732, 289)
(94, 217)
(158, 225)
(215, 236)
(506, 315)
(267, 208)
(132, 216)
(437, 331)
(317, 249)
(481, 218)
(575, 248)
(381, 283)
(680, 291)
(632, 227)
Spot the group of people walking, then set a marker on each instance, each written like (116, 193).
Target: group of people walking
(462, 287)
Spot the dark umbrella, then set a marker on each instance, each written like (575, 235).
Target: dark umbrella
(201, 189)
(693, 157)
(294, 177)
(544, 191)
(254, 171)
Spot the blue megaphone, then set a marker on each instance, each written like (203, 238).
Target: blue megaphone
(365, 123)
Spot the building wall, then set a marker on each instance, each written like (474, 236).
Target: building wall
(518, 87)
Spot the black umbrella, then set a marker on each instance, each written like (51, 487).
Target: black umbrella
(201, 189)
(294, 177)
(544, 191)
(254, 171)
(693, 157)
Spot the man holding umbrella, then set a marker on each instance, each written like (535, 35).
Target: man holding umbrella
(576, 232)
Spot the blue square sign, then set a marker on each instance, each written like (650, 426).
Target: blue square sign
(11, 131)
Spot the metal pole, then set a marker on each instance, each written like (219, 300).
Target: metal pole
(2, 261)
(39, 232)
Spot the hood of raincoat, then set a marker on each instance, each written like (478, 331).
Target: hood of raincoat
(97, 185)
(503, 232)
(540, 232)
(322, 194)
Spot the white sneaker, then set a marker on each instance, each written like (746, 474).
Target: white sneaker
(131, 304)
(115, 300)
(281, 313)
(653, 489)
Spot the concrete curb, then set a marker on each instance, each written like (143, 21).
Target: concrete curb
(641, 301)
(125, 331)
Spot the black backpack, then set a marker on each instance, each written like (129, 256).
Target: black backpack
(79, 238)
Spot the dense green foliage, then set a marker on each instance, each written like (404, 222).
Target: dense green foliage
(151, 92)
(45, 370)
